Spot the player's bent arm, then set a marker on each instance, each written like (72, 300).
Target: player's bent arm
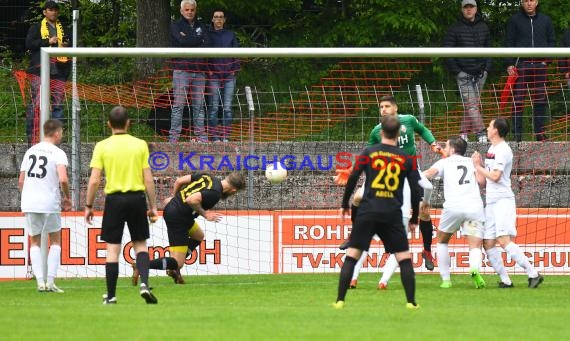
(63, 180)
(149, 186)
(186, 179)
(481, 180)
(93, 186)
(21, 180)
(430, 173)
(478, 163)
(350, 185)
(424, 132)
(494, 175)
(195, 201)
(427, 186)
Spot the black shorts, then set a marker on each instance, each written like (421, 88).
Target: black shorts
(177, 225)
(393, 235)
(121, 208)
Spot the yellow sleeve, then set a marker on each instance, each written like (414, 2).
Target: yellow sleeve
(144, 160)
(97, 158)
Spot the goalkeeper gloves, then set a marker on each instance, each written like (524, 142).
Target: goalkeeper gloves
(341, 177)
(436, 148)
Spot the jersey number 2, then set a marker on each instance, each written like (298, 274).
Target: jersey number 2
(462, 180)
(41, 163)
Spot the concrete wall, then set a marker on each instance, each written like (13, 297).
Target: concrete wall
(540, 176)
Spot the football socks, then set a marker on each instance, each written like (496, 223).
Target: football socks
(111, 275)
(142, 265)
(408, 280)
(164, 263)
(345, 276)
(426, 228)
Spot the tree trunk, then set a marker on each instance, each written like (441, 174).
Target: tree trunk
(115, 18)
(153, 30)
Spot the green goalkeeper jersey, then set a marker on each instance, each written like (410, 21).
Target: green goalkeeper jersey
(406, 139)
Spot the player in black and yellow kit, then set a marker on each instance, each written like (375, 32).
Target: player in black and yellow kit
(193, 195)
(386, 167)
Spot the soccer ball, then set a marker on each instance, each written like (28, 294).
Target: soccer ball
(275, 173)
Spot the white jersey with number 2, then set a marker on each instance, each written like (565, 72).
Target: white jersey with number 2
(460, 186)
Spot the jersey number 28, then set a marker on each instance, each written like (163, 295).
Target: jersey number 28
(388, 175)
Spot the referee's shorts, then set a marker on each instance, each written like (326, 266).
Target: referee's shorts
(121, 208)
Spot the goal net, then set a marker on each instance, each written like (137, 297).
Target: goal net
(307, 113)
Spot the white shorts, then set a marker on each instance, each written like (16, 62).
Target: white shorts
(500, 219)
(38, 223)
(471, 221)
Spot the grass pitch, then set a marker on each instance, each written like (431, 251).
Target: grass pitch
(287, 307)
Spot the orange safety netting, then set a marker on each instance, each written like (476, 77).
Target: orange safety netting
(349, 90)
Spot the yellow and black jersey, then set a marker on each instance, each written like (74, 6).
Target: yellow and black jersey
(386, 167)
(209, 187)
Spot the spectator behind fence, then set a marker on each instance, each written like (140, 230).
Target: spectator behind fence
(49, 32)
(222, 78)
(471, 73)
(189, 73)
(529, 28)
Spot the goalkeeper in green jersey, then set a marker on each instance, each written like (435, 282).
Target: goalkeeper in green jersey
(409, 126)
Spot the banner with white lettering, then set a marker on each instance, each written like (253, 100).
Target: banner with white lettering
(307, 241)
(264, 242)
(239, 244)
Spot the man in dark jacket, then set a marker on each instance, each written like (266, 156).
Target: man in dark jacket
(529, 28)
(470, 31)
(189, 73)
(47, 33)
(222, 78)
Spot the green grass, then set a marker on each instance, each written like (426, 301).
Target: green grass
(287, 307)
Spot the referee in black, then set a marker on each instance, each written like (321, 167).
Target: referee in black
(124, 160)
(380, 213)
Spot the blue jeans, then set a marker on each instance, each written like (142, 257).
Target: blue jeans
(222, 89)
(195, 82)
(57, 93)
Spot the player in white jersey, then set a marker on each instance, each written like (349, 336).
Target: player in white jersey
(42, 172)
(500, 212)
(462, 207)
